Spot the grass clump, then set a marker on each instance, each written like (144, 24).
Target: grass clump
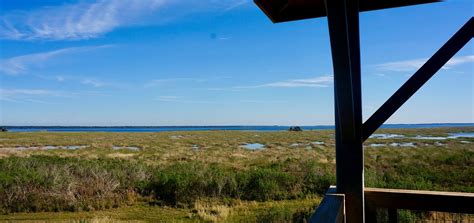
(44, 183)
(211, 212)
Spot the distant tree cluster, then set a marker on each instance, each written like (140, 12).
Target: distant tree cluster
(295, 129)
(2, 129)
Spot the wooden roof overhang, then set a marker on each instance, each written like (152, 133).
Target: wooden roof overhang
(290, 10)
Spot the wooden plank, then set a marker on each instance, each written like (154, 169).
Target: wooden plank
(343, 21)
(331, 208)
(454, 202)
(291, 10)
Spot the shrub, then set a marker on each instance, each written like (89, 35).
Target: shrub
(41, 183)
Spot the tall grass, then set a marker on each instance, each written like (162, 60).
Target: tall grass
(46, 183)
(43, 183)
(50, 183)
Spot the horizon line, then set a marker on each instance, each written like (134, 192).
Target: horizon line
(174, 126)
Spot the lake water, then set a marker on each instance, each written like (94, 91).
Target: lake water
(133, 148)
(462, 135)
(205, 128)
(253, 146)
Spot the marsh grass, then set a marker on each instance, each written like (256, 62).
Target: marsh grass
(49, 183)
(210, 182)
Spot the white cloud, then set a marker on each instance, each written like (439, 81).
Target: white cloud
(91, 20)
(21, 95)
(262, 101)
(33, 95)
(157, 82)
(235, 4)
(322, 81)
(415, 64)
(178, 99)
(21, 64)
(94, 82)
(40, 102)
(84, 80)
(59, 78)
(16, 92)
(459, 60)
(167, 98)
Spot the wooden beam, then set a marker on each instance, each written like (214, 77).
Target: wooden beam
(433, 65)
(343, 21)
(454, 202)
(291, 10)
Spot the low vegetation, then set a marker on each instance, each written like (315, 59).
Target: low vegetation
(209, 176)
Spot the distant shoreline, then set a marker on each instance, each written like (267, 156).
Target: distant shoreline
(207, 128)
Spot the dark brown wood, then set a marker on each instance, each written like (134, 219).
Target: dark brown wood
(420, 200)
(331, 208)
(370, 213)
(409, 88)
(290, 10)
(392, 215)
(343, 21)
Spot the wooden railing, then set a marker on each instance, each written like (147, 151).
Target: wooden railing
(422, 200)
(332, 207)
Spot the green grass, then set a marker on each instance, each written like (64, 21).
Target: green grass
(240, 211)
(168, 179)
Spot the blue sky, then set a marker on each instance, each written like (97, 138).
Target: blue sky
(214, 62)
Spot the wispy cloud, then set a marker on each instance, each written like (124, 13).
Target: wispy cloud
(35, 95)
(459, 60)
(235, 4)
(322, 81)
(85, 20)
(415, 64)
(16, 92)
(179, 99)
(21, 64)
(157, 82)
(94, 82)
(40, 101)
(252, 101)
(59, 78)
(84, 80)
(167, 98)
(24, 95)
(216, 36)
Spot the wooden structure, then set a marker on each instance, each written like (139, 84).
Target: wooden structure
(347, 200)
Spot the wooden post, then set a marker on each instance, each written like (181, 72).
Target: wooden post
(343, 20)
